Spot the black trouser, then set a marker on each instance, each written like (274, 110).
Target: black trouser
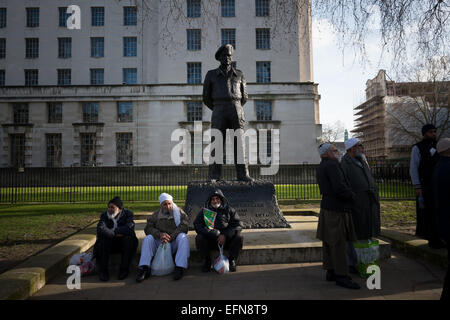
(445, 290)
(229, 116)
(125, 245)
(234, 245)
(426, 218)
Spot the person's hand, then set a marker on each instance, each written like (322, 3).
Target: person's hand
(419, 193)
(119, 235)
(164, 237)
(221, 239)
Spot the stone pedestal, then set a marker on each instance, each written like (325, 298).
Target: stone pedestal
(255, 202)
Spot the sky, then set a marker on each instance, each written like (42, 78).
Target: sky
(340, 76)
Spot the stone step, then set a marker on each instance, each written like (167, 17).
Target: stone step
(271, 246)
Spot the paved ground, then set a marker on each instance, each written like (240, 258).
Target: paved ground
(401, 278)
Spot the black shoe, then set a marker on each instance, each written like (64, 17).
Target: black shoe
(232, 265)
(142, 273)
(206, 266)
(246, 178)
(436, 244)
(103, 276)
(123, 274)
(330, 275)
(178, 273)
(352, 269)
(347, 282)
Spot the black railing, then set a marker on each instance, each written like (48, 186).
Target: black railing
(99, 184)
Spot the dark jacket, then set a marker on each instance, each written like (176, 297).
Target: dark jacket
(227, 220)
(427, 161)
(336, 192)
(125, 225)
(218, 89)
(441, 188)
(159, 222)
(366, 207)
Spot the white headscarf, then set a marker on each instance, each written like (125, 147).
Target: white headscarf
(176, 211)
(324, 148)
(350, 143)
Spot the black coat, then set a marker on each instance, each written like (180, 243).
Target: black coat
(227, 220)
(125, 225)
(336, 192)
(441, 188)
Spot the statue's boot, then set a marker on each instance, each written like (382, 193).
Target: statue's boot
(242, 173)
(215, 171)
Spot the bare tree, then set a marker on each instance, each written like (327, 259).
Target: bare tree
(332, 132)
(424, 99)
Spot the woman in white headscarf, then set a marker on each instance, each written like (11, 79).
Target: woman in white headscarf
(168, 224)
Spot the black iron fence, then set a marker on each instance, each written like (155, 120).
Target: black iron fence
(98, 184)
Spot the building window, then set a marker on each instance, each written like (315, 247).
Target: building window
(229, 37)
(262, 8)
(263, 39)
(64, 77)
(129, 16)
(194, 41)
(88, 149)
(64, 47)
(97, 47)
(98, 16)
(263, 71)
(129, 75)
(32, 17)
(17, 149)
(90, 112)
(129, 46)
(124, 149)
(2, 17)
(125, 111)
(2, 48)
(54, 112)
(2, 77)
(194, 72)
(63, 16)
(97, 76)
(227, 8)
(194, 8)
(263, 110)
(194, 111)
(31, 48)
(20, 113)
(54, 149)
(31, 77)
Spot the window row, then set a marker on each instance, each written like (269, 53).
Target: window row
(227, 8)
(88, 149)
(90, 111)
(97, 16)
(65, 47)
(228, 36)
(263, 72)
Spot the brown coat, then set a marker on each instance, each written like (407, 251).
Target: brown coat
(158, 222)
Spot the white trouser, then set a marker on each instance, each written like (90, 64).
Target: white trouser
(180, 246)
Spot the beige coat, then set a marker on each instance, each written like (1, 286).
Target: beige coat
(159, 222)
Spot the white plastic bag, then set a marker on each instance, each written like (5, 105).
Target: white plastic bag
(221, 264)
(163, 262)
(84, 261)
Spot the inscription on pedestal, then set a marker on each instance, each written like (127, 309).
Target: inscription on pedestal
(255, 202)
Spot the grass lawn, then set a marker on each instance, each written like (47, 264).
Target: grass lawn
(26, 229)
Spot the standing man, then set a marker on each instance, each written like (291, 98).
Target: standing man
(423, 160)
(335, 227)
(225, 231)
(366, 208)
(225, 92)
(115, 233)
(441, 189)
(168, 224)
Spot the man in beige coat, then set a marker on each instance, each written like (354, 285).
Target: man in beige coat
(168, 224)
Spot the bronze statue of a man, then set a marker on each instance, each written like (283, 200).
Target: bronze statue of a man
(225, 92)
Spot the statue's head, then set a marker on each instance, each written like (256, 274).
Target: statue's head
(225, 54)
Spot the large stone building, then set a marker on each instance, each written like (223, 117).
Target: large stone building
(389, 122)
(112, 91)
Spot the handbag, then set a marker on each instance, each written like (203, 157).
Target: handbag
(163, 262)
(368, 253)
(221, 263)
